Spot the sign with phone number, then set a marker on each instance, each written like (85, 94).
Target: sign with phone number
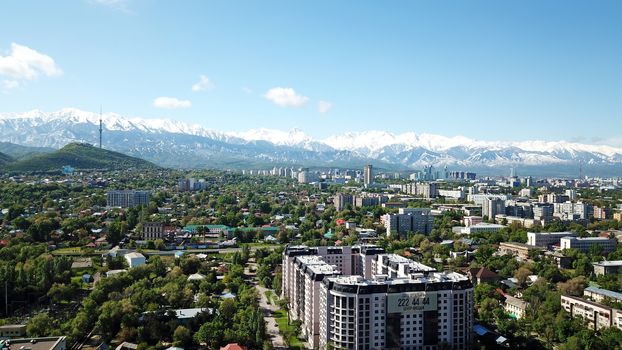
(411, 302)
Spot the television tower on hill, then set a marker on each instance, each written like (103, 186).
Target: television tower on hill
(100, 127)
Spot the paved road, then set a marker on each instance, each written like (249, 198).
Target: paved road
(267, 309)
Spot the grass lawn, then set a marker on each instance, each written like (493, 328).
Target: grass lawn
(293, 341)
(269, 296)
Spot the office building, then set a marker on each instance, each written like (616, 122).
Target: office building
(127, 198)
(368, 175)
(546, 239)
(482, 227)
(607, 245)
(409, 220)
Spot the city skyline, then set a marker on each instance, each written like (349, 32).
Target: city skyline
(470, 69)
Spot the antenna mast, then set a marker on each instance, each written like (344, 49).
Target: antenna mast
(100, 126)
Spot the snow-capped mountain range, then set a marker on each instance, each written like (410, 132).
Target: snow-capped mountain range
(176, 144)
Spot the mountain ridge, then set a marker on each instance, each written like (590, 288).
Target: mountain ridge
(79, 156)
(177, 144)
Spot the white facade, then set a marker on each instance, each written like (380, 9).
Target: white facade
(355, 307)
(358, 313)
(596, 316)
(545, 239)
(135, 259)
(482, 227)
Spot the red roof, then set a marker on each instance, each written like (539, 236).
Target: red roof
(233, 346)
(340, 221)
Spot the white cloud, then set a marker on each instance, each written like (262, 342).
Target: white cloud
(24, 63)
(286, 97)
(9, 85)
(121, 5)
(324, 106)
(204, 83)
(171, 103)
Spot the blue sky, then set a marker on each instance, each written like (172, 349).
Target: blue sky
(493, 70)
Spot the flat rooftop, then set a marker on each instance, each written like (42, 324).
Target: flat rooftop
(40, 344)
(608, 263)
(434, 277)
(604, 292)
(564, 233)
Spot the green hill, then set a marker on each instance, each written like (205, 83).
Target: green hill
(80, 156)
(20, 152)
(4, 159)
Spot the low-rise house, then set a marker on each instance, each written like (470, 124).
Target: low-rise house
(135, 259)
(482, 275)
(515, 307)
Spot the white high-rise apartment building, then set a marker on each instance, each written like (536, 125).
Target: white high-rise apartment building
(368, 175)
(417, 312)
(361, 298)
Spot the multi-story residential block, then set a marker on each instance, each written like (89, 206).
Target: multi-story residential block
(543, 211)
(601, 213)
(607, 267)
(617, 216)
(598, 294)
(493, 206)
(409, 220)
(152, 230)
(453, 194)
(607, 245)
(427, 190)
(546, 239)
(366, 299)
(480, 198)
(127, 198)
(416, 312)
(341, 200)
(596, 316)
